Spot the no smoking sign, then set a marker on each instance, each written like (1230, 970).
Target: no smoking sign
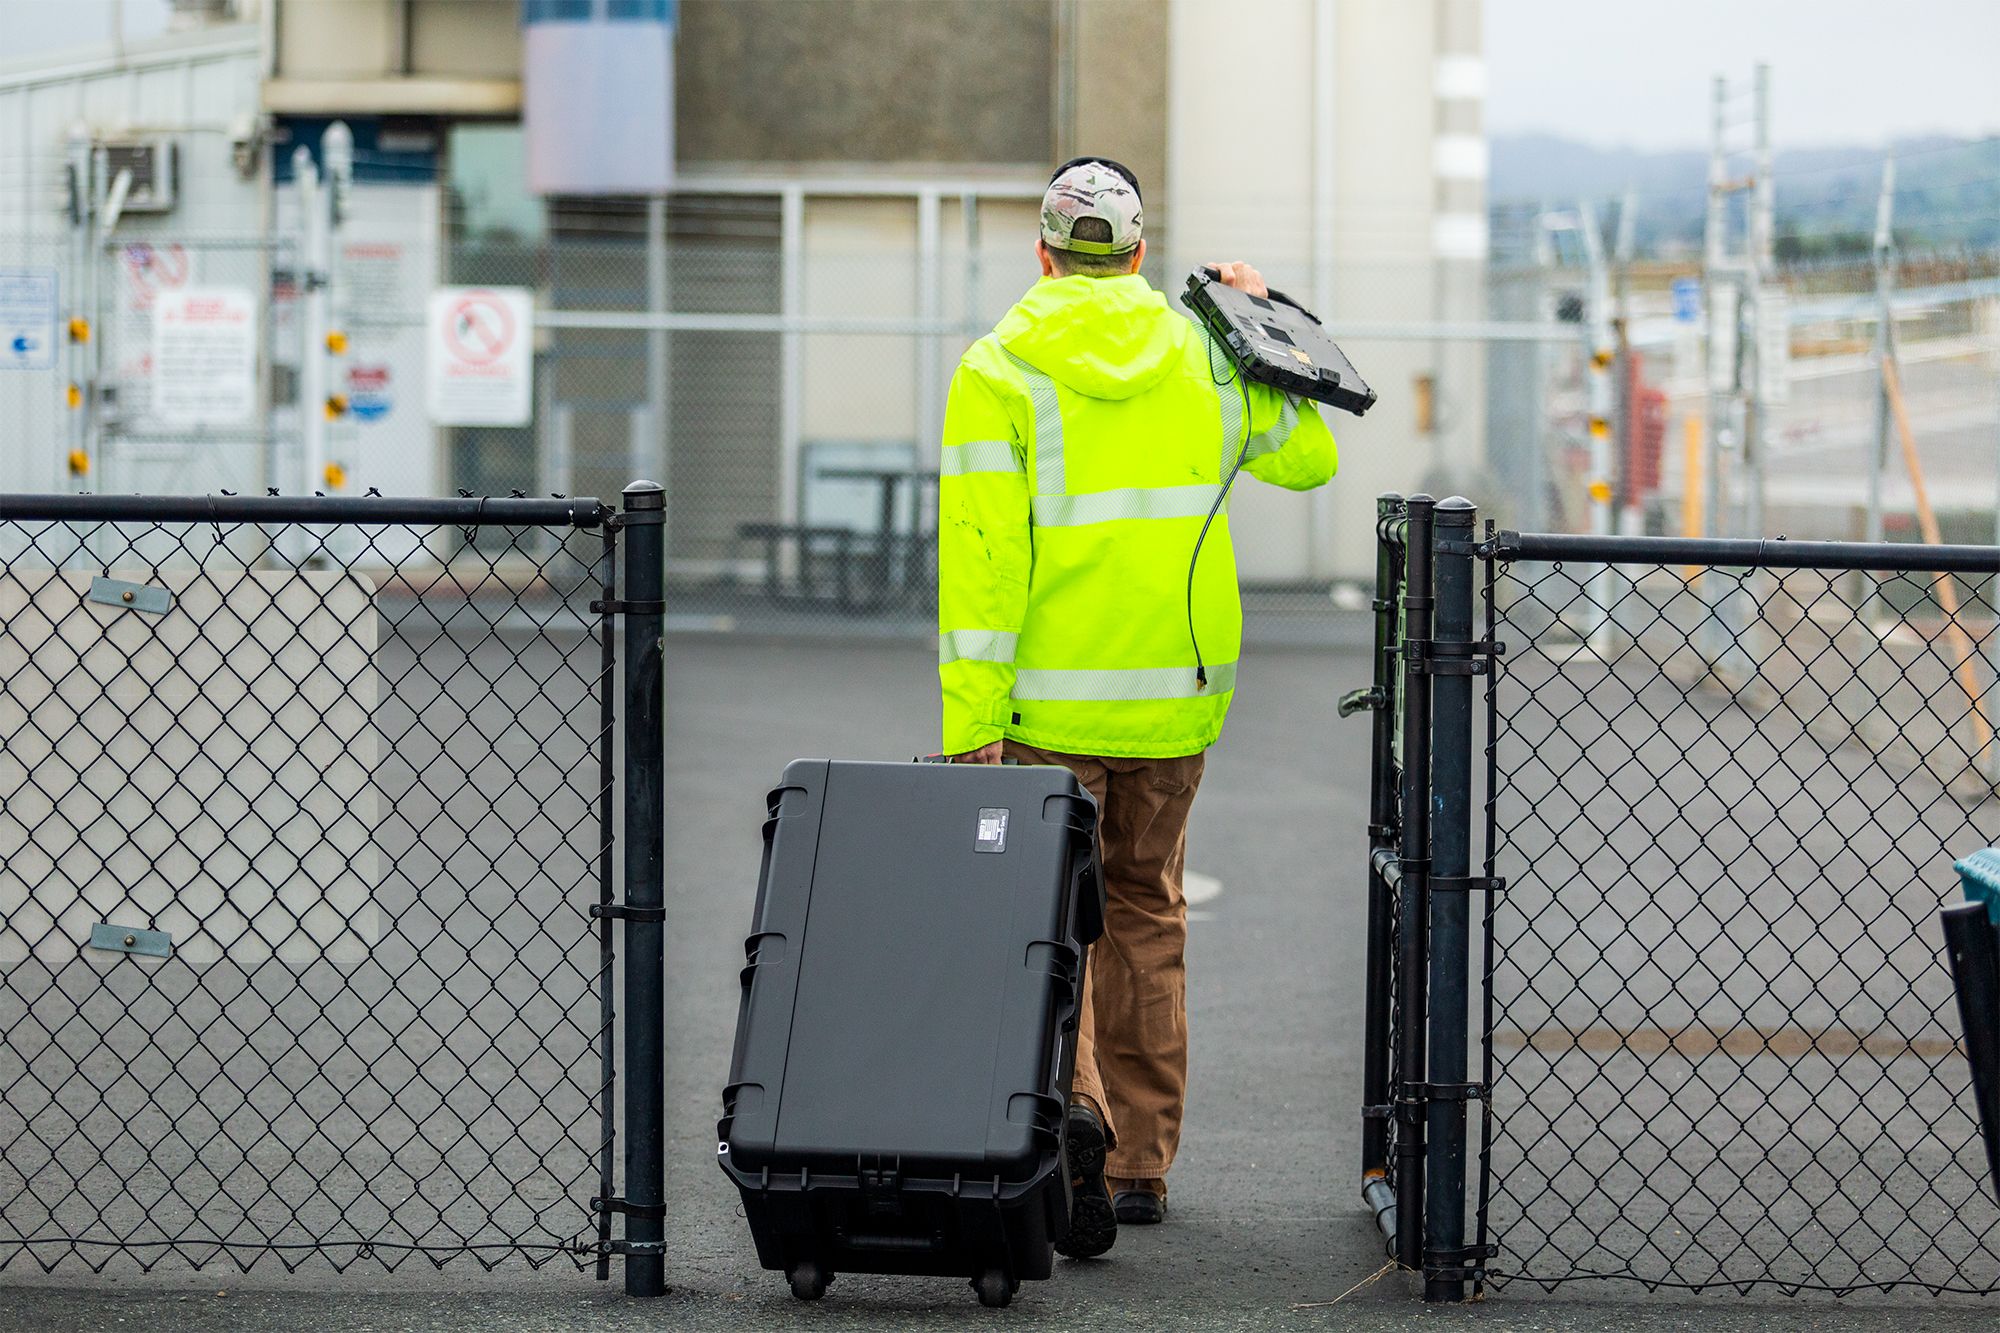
(481, 360)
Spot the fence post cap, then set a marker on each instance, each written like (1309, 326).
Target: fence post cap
(1456, 503)
(645, 495)
(1420, 499)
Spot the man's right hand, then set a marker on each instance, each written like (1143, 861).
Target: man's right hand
(988, 753)
(1242, 277)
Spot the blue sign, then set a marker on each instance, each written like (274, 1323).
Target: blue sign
(27, 319)
(368, 395)
(1687, 299)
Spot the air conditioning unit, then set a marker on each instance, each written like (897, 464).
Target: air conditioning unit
(155, 167)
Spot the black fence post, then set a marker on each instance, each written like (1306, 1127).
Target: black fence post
(1452, 659)
(1416, 851)
(645, 891)
(1376, 1093)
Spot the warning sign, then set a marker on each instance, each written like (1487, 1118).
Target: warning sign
(481, 356)
(204, 357)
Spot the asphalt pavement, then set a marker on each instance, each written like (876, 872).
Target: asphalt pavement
(1267, 1229)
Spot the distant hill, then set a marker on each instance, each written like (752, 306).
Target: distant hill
(1947, 191)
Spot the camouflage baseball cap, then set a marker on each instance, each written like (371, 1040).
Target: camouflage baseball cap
(1091, 189)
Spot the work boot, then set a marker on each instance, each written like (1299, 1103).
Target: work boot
(1093, 1225)
(1139, 1203)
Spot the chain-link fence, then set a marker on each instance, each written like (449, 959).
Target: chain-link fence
(1726, 805)
(1725, 783)
(305, 823)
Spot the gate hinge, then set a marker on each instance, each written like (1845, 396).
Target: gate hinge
(624, 608)
(1460, 1265)
(1383, 1112)
(1421, 1094)
(1438, 657)
(656, 1212)
(633, 1247)
(1466, 884)
(627, 912)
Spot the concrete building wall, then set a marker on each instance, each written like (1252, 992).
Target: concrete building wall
(1111, 96)
(949, 81)
(467, 38)
(337, 38)
(375, 39)
(1240, 174)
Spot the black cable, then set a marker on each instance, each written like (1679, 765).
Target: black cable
(1242, 455)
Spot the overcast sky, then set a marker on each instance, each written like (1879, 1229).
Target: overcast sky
(1608, 72)
(1842, 71)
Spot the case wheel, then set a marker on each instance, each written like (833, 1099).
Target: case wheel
(995, 1288)
(808, 1282)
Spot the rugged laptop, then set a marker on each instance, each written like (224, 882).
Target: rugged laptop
(1277, 342)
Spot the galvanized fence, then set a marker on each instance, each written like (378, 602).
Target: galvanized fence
(306, 884)
(1722, 789)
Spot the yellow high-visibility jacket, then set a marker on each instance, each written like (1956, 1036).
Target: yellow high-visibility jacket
(1085, 440)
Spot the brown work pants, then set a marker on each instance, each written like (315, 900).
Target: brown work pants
(1132, 1040)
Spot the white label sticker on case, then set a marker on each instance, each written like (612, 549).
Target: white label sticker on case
(992, 830)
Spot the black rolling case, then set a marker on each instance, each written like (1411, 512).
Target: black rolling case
(904, 1048)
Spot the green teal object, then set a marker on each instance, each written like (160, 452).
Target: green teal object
(1980, 874)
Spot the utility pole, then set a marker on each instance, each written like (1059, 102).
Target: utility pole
(1600, 349)
(312, 305)
(1739, 404)
(321, 203)
(1719, 295)
(1623, 402)
(1885, 347)
(1773, 350)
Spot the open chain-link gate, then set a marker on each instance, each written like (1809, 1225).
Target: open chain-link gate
(1723, 786)
(307, 923)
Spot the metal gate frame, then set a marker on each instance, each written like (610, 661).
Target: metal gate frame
(94, 533)
(1421, 878)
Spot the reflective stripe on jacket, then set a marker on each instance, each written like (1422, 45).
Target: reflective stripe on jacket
(1085, 440)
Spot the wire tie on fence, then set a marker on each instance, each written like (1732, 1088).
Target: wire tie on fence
(656, 1212)
(626, 912)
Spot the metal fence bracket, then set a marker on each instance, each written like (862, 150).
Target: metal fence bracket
(131, 596)
(131, 939)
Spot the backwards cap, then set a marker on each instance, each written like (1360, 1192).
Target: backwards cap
(1092, 187)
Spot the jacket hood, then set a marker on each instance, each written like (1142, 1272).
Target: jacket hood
(1100, 337)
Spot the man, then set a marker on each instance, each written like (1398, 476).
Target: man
(1088, 616)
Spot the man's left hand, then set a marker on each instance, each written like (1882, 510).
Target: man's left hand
(988, 753)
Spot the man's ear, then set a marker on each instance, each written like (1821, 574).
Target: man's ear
(1042, 253)
(1138, 257)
